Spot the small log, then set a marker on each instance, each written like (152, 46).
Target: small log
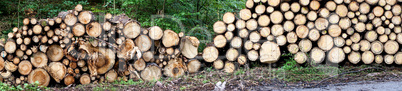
(139, 65)
(364, 45)
(364, 8)
(398, 58)
(236, 42)
(291, 37)
(334, 30)
(288, 26)
(345, 23)
(131, 29)
(285, 6)
(175, 68)
(248, 45)
(295, 7)
(229, 35)
(24, 67)
(240, 24)
(389, 59)
(70, 19)
(371, 36)
(312, 15)
(293, 48)
(218, 64)
(252, 55)
(229, 67)
(85, 79)
(68, 80)
(255, 36)
(9, 66)
(314, 35)
(243, 33)
(378, 59)
(300, 19)
(281, 40)
(300, 57)
(339, 41)
(39, 75)
(314, 5)
(250, 4)
(289, 15)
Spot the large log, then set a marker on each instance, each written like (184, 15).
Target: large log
(39, 75)
(170, 38)
(151, 73)
(132, 29)
(189, 46)
(39, 59)
(269, 52)
(57, 70)
(24, 67)
(336, 55)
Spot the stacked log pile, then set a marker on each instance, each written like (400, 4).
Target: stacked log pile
(334, 31)
(73, 48)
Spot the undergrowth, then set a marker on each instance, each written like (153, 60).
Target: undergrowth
(26, 87)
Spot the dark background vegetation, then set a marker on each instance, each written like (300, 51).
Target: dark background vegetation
(198, 15)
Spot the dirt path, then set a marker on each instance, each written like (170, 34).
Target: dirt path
(359, 86)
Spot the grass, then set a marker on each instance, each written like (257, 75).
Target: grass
(26, 87)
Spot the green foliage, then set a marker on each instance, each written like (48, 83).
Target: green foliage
(26, 86)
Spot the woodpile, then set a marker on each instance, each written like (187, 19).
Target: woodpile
(73, 48)
(315, 31)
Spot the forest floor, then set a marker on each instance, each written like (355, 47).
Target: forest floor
(261, 78)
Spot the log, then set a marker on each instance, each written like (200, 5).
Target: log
(336, 55)
(85, 79)
(111, 76)
(139, 65)
(189, 46)
(284, 6)
(312, 16)
(242, 59)
(354, 57)
(210, 54)
(280, 40)
(229, 17)
(131, 29)
(368, 57)
(364, 8)
(248, 45)
(57, 70)
(391, 47)
(220, 41)
(249, 4)
(300, 57)
(218, 64)
(70, 19)
(289, 15)
(39, 75)
(39, 59)
(300, 19)
(94, 29)
(240, 24)
(371, 36)
(345, 23)
(398, 58)
(229, 67)
(232, 54)
(276, 17)
(263, 20)
(10, 46)
(2, 63)
(317, 55)
(151, 73)
(389, 59)
(251, 24)
(252, 55)
(364, 45)
(334, 30)
(243, 33)
(325, 42)
(269, 52)
(288, 26)
(174, 68)
(265, 31)
(170, 38)
(293, 48)
(55, 53)
(355, 47)
(276, 30)
(229, 35)
(235, 43)
(305, 45)
(378, 59)
(339, 41)
(291, 37)
(314, 35)
(85, 17)
(244, 14)
(68, 80)
(24, 67)
(6, 74)
(155, 33)
(193, 66)
(302, 31)
(255, 36)
(9, 66)
(78, 29)
(144, 43)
